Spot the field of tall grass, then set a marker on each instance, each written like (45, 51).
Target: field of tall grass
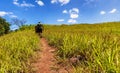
(15, 50)
(96, 46)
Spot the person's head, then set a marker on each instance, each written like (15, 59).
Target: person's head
(39, 22)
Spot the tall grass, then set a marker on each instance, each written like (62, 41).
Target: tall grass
(98, 46)
(15, 50)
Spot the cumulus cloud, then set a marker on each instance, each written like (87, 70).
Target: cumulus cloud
(62, 2)
(74, 13)
(113, 11)
(74, 10)
(60, 20)
(4, 13)
(39, 2)
(24, 4)
(72, 21)
(65, 11)
(102, 12)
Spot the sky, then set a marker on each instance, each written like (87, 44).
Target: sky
(61, 11)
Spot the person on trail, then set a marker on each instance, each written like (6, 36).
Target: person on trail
(39, 29)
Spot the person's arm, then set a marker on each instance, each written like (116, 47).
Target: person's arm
(42, 27)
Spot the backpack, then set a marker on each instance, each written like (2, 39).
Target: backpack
(40, 26)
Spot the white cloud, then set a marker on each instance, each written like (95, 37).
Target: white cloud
(13, 16)
(39, 2)
(113, 11)
(62, 2)
(4, 13)
(74, 13)
(102, 12)
(65, 11)
(60, 20)
(24, 4)
(72, 21)
(53, 1)
(74, 10)
(15, 2)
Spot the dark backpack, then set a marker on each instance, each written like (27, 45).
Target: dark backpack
(40, 26)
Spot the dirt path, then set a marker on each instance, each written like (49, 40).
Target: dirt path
(46, 63)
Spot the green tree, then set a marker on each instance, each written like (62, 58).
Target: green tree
(4, 26)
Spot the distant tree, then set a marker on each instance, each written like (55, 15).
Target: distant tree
(1, 30)
(18, 22)
(4, 26)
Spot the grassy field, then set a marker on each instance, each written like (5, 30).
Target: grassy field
(15, 50)
(96, 46)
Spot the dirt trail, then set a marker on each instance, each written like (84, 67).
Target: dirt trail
(46, 63)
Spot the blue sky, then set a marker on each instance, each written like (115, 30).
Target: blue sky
(61, 11)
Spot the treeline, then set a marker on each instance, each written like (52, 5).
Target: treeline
(4, 26)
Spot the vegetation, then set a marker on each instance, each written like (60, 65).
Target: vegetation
(96, 47)
(18, 22)
(27, 27)
(4, 26)
(15, 50)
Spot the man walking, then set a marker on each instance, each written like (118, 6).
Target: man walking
(39, 29)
